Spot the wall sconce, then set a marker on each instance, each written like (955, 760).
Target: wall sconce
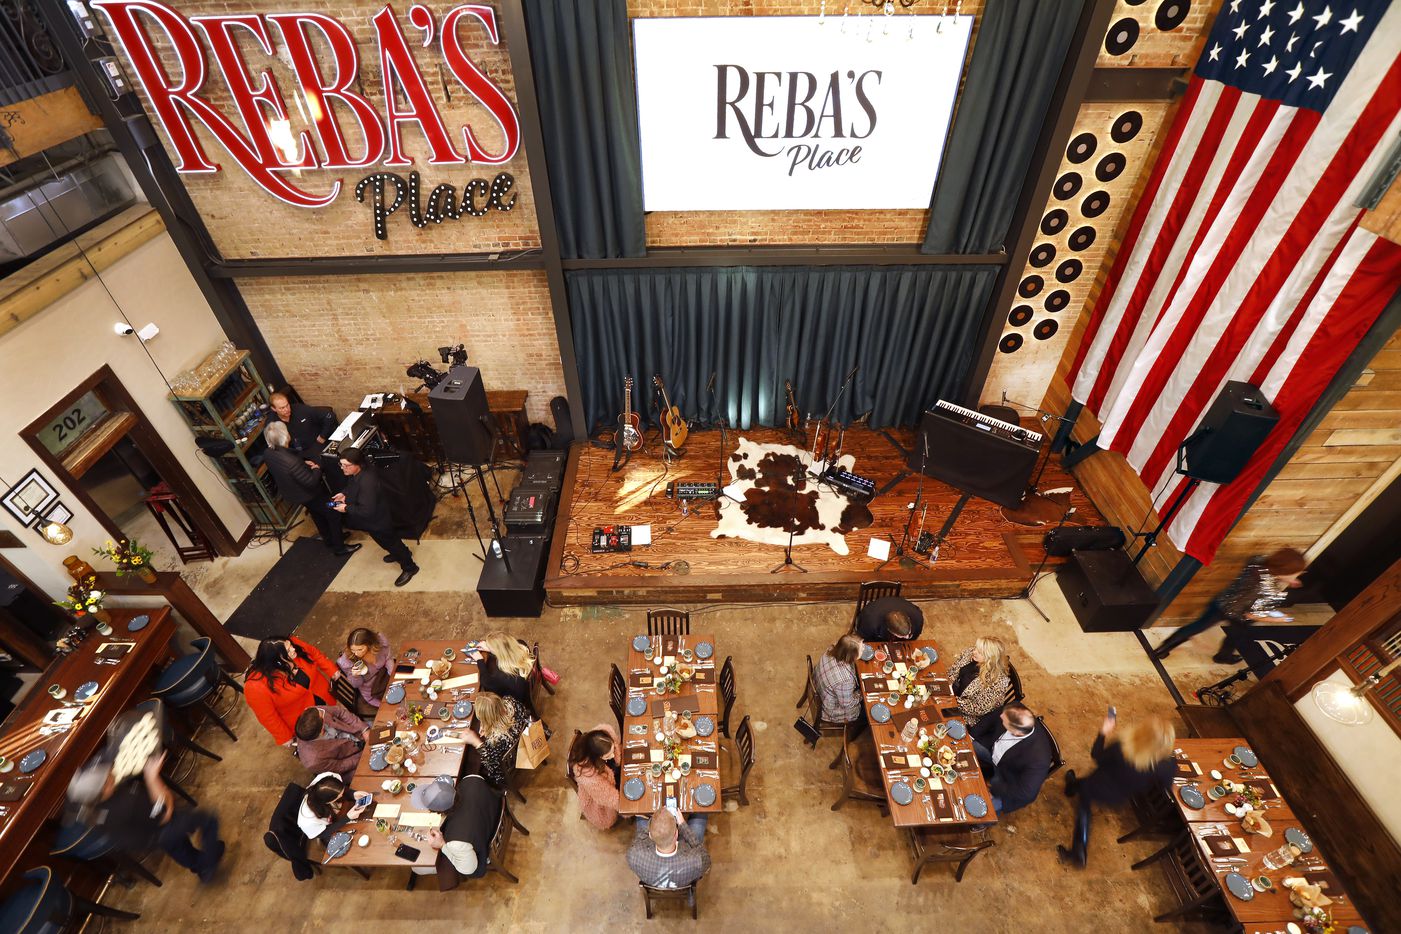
(1348, 704)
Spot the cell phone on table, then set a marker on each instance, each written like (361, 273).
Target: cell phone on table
(1113, 714)
(402, 669)
(404, 851)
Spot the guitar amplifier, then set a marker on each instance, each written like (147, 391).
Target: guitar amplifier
(611, 538)
(545, 469)
(1106, 592)
(530, 507)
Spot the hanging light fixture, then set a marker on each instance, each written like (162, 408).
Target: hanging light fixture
(55, 533)
(1348, 704)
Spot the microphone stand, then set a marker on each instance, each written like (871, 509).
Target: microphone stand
(788, 561)
(827, 419)
(911, 559)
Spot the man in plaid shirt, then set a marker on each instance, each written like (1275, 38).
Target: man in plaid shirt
(669, 854)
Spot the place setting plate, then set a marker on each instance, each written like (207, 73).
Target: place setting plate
(634, 788)
(462, 709)
(930, 653)
(377, 760)
(138, 623)
(957, 729)
(880, 713)
(704, 795)
(641, 643)
(901, 793)
(975, 805)
(395, 693)
(637, 706)
(1247, 757)
(704, 650)
(1239, 886)
(85, 690)
(704, 726)
(338, 845)
(1192, 796)
(1292, 834)
(33, 760)
(867, 653)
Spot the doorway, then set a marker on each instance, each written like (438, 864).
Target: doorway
(1361, 553)
(100, 444)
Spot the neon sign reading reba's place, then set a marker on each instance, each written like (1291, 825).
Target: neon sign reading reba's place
(329, 90)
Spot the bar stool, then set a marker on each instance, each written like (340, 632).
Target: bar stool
(194, 680)
(89, 844)
(44, 906)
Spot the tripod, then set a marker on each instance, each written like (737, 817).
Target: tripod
(788, 561)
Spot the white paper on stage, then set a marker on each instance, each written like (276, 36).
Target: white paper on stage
(879, 549)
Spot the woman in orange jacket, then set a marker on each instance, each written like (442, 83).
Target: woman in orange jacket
(286, 677)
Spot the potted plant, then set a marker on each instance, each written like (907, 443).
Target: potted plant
(130, 557)
(83, 601)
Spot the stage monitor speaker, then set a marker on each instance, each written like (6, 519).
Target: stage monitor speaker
(1061, 542)
(1105, 591)
(519, 590)
(1232, 429)
(463, 417)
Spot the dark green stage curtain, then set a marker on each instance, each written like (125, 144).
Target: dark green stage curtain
(913, 331)
(581, 54)
(1020, 50)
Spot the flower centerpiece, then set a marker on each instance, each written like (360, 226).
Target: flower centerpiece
(130, 557)
(415, 715)
(1316, 920)
(82, 601)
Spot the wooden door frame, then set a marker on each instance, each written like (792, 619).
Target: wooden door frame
(149, 442)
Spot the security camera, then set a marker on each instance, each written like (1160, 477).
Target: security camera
(122, 329)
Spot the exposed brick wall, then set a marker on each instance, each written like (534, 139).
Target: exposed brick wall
(339, 337)
(247, 222)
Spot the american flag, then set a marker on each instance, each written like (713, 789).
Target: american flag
(1244, 259)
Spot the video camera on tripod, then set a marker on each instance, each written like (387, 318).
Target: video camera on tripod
(430, 375)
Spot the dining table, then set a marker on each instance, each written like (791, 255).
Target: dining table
(1237, 858)
(47, 739)
(393, 820)
(941, 785)
(671, 674)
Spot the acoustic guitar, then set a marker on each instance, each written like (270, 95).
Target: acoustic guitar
(793, 418)
(629, 424)
(674, 427)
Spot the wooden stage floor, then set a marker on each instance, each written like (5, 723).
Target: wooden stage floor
(984, 555)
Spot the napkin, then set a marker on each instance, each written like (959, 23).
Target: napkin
(461, 681)
(420, 819)
(1254, 822)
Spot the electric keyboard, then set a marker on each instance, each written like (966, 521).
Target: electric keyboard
(857, 487)
(987, 423)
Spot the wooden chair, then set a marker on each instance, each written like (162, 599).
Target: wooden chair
(861, 775)
(536, 681)
(1014, 690)
(1057, 760)
(496, 860)
(1195, 887)
(514, 778)
(668, 622)
(873, 590)
(727, 694)
(617, 695)
(1156, 814)
(688, 895)
(744, 747)
(959, 847)
(812, 700)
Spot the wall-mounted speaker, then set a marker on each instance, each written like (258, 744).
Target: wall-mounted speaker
(1233, 428)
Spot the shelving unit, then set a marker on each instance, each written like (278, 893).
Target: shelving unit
(233, 405)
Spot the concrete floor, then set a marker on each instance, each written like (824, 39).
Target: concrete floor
(785, 863)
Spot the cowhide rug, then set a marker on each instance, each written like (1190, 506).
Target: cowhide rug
(762, 474)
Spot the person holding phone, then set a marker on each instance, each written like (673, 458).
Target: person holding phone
(299, 481)
(325, 797)
(1129, 762)
(1253, 597)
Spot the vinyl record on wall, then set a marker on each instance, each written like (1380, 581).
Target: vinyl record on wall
(1081, 147)
(1010, 343)
(1054, 222)
(1110, 167)
(1057, 300)
(1045, 329)
(1082, 238)
(1126, 126)
(1095, 204)
(1171, 14)
(1069, 270)
(1068, 185)
(1031, 286)
(1019, 316)
(1042, 254)
(1122, 36)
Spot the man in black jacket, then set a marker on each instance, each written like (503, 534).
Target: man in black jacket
(1015, 755)
(309, 428)
(299, 481)
(464, 841)
(888, 619)
(366, 507)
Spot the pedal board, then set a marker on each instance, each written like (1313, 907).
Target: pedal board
(612, 538)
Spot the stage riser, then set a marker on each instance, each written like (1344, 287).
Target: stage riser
(665, 592)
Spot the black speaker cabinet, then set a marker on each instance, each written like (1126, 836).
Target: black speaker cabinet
(1236, 424)
(463, 417)
(1105, 591)
(519, 591)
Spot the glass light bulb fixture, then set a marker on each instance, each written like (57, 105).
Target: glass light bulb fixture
(55, 533)
(1343, 703)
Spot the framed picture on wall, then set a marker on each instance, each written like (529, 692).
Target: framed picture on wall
(27, 499)
(59, 513)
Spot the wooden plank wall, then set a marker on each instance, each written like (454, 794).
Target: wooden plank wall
(1345, 462)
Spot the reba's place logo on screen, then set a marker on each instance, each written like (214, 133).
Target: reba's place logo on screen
(794, 113)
